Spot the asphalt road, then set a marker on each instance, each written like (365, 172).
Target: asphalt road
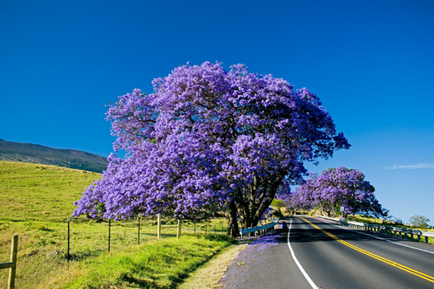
(332, 257)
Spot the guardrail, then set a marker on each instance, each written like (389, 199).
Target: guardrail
(263, 228)
(394, 231)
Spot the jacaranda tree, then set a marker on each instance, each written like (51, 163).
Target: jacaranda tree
(338, 187)
(208, 141)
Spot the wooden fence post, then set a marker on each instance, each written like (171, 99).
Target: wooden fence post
(178, 233)
(159, 227)
(13, 270)
(138, 234)
(69, 229)
(110, 222)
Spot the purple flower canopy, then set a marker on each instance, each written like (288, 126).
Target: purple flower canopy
(338, 187)
(204, 137)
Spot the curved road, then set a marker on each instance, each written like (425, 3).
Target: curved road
(312, 253)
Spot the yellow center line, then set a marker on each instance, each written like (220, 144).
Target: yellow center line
(382, 259)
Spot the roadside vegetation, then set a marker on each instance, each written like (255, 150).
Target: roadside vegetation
(35, 202)
(368, 219)
(375, 221)
(371, 220)
(154, 264)
(419, 221)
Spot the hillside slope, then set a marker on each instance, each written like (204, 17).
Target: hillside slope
(38, 154)
(31, 192)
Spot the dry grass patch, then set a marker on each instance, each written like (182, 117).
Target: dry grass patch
(208, 276)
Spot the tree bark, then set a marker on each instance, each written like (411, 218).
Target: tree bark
(235, 232)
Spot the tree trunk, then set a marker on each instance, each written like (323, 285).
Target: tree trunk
(256, 210)
(262, 209)
(235, 232)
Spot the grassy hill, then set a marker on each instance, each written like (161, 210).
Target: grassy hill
(35, 202)
(31, 192)
(37, 154)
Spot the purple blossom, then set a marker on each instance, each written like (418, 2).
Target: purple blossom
(208, 141)
(338, 187)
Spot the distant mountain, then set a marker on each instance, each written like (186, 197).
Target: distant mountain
(37, 154)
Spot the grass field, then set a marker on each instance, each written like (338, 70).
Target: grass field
(31, 192)
(35, 202)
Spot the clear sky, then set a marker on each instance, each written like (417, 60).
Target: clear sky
(370, 62)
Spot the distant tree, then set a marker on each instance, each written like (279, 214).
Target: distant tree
(384, 215)
(419, 221)
(393, 219)
(338, 187)
(209, 141)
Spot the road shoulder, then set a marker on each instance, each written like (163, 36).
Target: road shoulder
(208, 275)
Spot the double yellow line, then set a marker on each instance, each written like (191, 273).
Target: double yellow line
(387, 261)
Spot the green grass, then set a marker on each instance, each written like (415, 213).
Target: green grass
(35, 202)
(31, 192)
(156, 264)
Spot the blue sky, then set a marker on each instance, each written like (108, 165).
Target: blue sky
(370, 62)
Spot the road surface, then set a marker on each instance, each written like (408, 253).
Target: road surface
(313, 253)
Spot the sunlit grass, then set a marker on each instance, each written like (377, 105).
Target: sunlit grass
(35, 202)
(32, 192)
(155, 264)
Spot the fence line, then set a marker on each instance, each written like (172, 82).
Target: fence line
(12, 265)
(113, 234)
(58, 246)
(178, 231)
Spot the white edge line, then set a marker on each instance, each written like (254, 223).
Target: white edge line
(395, 243)
(296, 260)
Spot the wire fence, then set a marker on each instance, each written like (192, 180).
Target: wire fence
(43, 248)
